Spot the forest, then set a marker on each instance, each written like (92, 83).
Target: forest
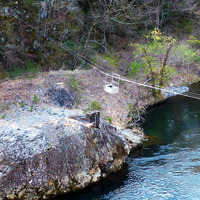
(100, 31)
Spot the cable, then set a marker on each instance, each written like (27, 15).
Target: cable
(96, 66)
(157, 88)
(192, 93)
(98, 74)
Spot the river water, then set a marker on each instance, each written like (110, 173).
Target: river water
(168, 167)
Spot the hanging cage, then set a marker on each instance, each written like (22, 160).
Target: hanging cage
(112, 83)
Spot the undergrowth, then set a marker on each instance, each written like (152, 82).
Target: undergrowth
(95, 105)
(135, 68)
(28, 70)
(109, 119)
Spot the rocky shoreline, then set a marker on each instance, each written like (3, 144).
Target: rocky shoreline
(45, 151)
(44, 154)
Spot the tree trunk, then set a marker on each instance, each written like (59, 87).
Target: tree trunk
(152, 75)
(164, 63)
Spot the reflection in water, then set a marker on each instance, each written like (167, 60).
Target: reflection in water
(168, 167)
(152, 140)
(172, 118)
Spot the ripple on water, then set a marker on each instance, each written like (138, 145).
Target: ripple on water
(174, 174)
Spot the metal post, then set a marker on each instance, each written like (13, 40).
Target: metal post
(93, 117)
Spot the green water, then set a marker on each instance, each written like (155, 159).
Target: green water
(168, 167)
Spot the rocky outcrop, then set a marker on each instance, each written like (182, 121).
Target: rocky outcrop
(58, 156)
(60, 94)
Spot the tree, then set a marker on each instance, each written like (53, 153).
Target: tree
(194, 41)
(155, 54)
(160, 54)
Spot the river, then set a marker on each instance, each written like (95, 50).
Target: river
(168, 167)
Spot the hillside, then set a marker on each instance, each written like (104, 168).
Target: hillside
(89, 28)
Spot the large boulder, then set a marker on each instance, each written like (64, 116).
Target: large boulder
(60, 94)
(58, 156)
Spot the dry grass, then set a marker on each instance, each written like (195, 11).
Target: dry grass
(88, 87)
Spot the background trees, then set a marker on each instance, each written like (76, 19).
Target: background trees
(89, 27)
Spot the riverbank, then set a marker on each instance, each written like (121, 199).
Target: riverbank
(169, 161)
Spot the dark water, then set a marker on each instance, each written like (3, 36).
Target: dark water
(168, 167)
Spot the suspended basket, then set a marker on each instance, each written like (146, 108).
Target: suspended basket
(112, 83)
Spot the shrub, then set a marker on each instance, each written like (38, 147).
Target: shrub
(29, 3)
(109, 119)
(185, 26)
(27, 69)
(75, 84)
(195, 42)
(95, 105)
(113, 61)
(136, 67)
(197, 59)
(73, 46)
(35, 99)
(184, 53)
(31, 109)
(22, 104)
(3, 116)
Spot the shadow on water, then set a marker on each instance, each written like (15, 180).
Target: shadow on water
(111, 183)
(168, 120)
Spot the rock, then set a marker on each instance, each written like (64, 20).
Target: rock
(60, 94)
(36, 45)
(174, 90)
(59, 156)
